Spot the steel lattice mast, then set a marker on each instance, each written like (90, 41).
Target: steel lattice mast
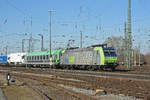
(129, 37)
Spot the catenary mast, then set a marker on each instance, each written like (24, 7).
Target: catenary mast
(129, 37)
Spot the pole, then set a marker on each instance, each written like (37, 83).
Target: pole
(80, 39)
(129, 38)
(135, 57)
(6, 49)
(23, 45)
(139, 55)
(29, 44)
(42, 48)
(125, 44)
(50, 11)
(42, 43)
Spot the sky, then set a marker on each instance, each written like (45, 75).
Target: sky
(96, 19)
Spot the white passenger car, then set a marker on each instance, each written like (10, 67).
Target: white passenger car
(16, 58)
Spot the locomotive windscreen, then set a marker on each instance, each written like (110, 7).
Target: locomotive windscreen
(109, 52)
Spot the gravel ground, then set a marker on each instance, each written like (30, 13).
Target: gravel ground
(101, 97)
(17, 91)
(70, 79)
(2, 96)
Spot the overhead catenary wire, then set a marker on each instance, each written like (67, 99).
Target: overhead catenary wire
(16, 8)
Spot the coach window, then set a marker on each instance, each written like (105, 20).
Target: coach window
(32, 58)
(40, 57)
(47, 57)
(43, 57)
(37, 57)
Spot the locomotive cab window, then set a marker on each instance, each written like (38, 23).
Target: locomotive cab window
(113, 53)
(106, 53)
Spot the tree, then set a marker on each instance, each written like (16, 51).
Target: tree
(119, 45)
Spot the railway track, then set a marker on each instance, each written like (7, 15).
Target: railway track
(47, 91)
(47, 87)
(116, 83)
(131, 76)
(105, 74)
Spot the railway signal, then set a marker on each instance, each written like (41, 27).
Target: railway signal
(8, 78)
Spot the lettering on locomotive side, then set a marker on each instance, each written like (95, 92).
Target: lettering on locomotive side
(71, 59)
(66, 60)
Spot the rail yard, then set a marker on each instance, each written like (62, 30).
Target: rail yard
(74, 50)
(82, 85)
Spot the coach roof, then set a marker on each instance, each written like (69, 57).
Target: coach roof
(53, 52)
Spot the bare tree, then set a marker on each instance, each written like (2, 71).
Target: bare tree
(118, 44)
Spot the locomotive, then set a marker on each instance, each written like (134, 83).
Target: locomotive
(91, 58)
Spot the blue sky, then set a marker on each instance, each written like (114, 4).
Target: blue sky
(95, 18)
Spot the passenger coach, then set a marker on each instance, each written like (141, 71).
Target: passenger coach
(41, 58)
